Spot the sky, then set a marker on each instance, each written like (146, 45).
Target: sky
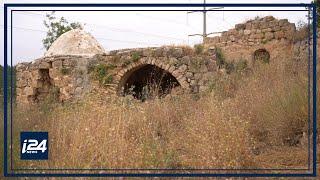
(130, 29)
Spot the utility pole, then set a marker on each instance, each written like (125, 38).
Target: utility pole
(204, 11)
(204, 35)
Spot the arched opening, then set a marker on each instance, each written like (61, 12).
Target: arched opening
(147, 81)
(261, 55)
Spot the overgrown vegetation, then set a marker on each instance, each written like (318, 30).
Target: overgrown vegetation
(101, 73)
(302, 32)
(135, 56)
(198, 48)
(256, 121)
(64, 71)
(220, 57)
(126, 62)
(232, 66)
(56, 27)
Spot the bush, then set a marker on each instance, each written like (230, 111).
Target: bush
(220, 57)
(135, 56)
(229, 67)
(64, 71)
(126, 62)
(241, 65)
(302, 32)
(198, 48)
(101, 74)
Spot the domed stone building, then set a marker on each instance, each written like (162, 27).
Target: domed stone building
(75, 42)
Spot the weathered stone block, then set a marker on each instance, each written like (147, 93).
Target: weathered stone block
(57, 64)
(173, 61)
(264, 25)
(276, 28)
(283, 22)
(269, 18)
(189, 74)
(273, 23)
(248, 26)
(246, 32)
(240, 26)
(29, 91)
(279, 34)
(176, 52)
(259, 36)
(269, 36)
(232, 38)
(44, 65)
(183, 68)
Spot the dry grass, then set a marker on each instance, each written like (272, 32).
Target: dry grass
(175, 133)
(258, 123)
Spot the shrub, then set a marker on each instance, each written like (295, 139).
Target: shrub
(220, 57)
(135, 56)
(229, 67)
(198, 48)
(107, 79)
(101, 74)
(241, 65)
(126, 62)
(64, 71)
(301, 34)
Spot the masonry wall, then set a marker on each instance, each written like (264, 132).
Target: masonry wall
(59, 77)
(273, 35)
(70, 77)
(189, 67)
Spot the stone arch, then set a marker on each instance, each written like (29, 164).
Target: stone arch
(174, 74)
(261, 55)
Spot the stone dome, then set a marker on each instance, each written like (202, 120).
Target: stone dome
(75, 42)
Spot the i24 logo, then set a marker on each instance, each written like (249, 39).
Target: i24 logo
(34, 145)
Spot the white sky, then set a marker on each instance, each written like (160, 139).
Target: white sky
(124, 29)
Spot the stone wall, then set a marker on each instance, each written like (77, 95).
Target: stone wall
(61, 77)
(244, 39)
(68, 77)
(187, 66)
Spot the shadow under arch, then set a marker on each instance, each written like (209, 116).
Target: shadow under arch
(146, 81)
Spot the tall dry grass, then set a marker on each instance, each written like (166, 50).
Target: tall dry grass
(167, 133)
(252, 120)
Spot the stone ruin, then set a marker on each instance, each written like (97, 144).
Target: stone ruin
(76, 64)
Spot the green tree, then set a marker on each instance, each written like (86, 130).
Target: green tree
(56, 27)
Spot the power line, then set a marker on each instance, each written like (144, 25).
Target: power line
(204, 11)
(117, 29)
(167, 20)
(38, 30)
(124, 41)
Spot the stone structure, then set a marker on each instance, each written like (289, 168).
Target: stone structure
(267, 34)
(75, 42)
(76, 64)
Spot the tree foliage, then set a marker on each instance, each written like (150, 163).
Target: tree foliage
(56, 27)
